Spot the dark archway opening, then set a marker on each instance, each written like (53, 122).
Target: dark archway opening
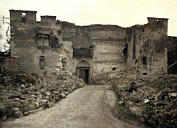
(83, 71)
(144, 61)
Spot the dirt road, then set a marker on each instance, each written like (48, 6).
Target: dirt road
(88, 107)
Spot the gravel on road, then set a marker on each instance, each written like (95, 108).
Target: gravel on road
(88, 107)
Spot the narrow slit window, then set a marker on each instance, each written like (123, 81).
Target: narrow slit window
(125, 52)
(23, 17)
(144, 61)
(42, 62)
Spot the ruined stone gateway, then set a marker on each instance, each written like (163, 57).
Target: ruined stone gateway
(91, 52)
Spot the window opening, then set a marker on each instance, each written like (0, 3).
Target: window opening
(114, 68)
(144, 61)
(54, 43)
(125, 52)
(42, 62)
(23, 17)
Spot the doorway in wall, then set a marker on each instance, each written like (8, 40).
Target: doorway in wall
(83, 71)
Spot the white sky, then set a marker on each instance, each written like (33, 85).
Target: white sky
(83, 12)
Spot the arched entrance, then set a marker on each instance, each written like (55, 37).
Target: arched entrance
(83, 71)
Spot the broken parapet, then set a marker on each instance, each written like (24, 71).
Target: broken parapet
(39, 43)
(22, 16)
(48, 19)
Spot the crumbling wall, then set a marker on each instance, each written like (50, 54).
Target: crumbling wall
(90, 43)
(68, 32)
(107, 58)
(159, 37)
(172, 55)
(107, 48)
(82, 38)
(102, 46)
(147, 46)
(36, 44)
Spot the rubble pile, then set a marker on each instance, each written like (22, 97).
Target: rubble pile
(23, 94)
(151, 100)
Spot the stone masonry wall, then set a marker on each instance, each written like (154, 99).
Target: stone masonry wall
(172, 55)
(147, 46)
(25, 38)
(107, 48)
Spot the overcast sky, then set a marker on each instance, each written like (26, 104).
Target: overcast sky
(83, 12)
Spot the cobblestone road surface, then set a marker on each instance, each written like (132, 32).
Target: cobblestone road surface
(88, 107)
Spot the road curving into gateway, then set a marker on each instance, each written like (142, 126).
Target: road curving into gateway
(88, 107)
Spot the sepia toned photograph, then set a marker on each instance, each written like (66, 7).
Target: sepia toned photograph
(88, 63)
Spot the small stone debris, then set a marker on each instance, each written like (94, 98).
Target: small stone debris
(22, 94)
(153, 100)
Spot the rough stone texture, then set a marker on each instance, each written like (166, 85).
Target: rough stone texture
(87, 107)
(152, 100)
(148, 46)
(106, 48)
(8, 64)
(26, 39)
(172, 54)
(23, 94)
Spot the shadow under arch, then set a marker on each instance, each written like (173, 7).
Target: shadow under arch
(83, 71)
